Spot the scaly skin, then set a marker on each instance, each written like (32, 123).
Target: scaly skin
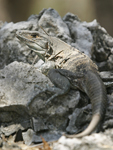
(74, 69)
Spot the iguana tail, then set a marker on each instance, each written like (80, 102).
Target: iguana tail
(96, 91)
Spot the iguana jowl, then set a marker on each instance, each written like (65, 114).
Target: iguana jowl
(68, 68)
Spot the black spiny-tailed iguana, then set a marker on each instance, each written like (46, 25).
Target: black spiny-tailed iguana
(68, 68)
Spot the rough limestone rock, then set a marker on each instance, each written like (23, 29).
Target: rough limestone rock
(102, 141)
(17, 82)
(20, 81)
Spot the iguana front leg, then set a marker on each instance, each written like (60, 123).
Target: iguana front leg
(62, 80)
(62, 85)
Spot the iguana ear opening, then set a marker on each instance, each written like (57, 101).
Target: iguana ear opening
(35, 35)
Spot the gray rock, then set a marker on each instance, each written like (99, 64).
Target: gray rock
(17, 82)
(102, 141)
(75, 123)
(31, 137)
(79, 32)
(106, 75)
(38, 124)
(54, 25)
(10, 48)
(28, 136)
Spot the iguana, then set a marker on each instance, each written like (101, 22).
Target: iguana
(68, 68)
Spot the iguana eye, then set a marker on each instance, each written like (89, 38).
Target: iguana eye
(34, 35)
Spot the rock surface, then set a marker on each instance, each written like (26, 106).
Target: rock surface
(17, 82)
(102, 141)
(18, 79)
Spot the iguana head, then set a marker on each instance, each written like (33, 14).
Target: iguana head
(36, 41)
(42, 44)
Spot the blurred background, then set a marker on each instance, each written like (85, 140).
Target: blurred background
(86, 10)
